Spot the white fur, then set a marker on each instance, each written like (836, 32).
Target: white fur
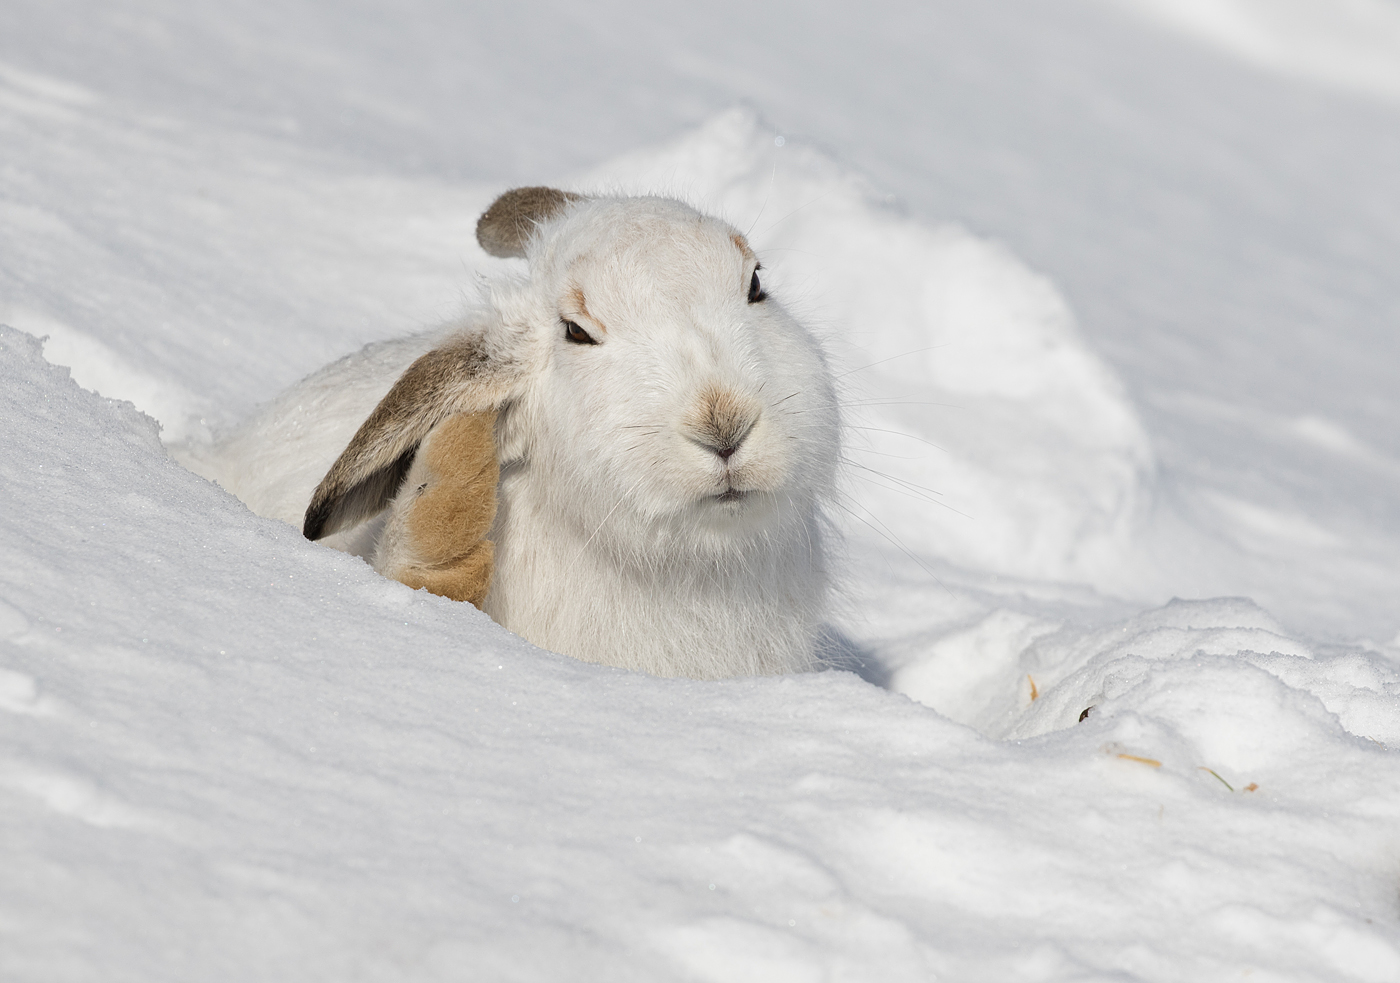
(612, 544)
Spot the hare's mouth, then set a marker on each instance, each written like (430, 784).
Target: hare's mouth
(731, 495)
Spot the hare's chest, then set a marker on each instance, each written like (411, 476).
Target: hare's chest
(552, 588)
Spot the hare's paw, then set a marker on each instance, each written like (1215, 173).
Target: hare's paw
(467, 578)
(435, 536)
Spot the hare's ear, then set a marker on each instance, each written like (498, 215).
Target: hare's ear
(461, 376)
(507, 225)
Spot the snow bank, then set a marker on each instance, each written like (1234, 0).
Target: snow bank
(228, 752)
(983, 675)
(204, 251)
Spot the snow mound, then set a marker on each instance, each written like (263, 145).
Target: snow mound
(970, 390)
(1354, 44)
(1231, 672)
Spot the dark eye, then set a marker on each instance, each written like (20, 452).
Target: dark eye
(577, 335)
(756, 291)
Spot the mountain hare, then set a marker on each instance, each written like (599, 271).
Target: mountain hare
(623, 454)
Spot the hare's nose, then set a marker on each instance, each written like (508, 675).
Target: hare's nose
(723, 422)
(724, 444)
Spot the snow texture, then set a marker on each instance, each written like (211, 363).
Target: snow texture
(1351, 44)
(1114, 318)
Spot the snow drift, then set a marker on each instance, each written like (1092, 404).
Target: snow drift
(216, 760)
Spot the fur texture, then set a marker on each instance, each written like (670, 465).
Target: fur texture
(666, 446)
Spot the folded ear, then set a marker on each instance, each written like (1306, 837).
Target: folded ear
(507, 225)
(461, 376)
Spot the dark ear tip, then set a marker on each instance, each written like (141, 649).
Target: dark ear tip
(315, 525)
(505, 227)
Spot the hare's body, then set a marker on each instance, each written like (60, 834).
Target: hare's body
(666, 439)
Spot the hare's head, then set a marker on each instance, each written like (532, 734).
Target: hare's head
(653, 395)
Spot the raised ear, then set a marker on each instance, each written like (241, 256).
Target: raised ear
(461, 376)
(507, 225)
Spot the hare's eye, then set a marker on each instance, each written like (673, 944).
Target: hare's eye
(756, 291)
(577, 335)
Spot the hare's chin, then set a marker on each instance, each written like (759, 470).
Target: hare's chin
(736, 505)
(733, 513)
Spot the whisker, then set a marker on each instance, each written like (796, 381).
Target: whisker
(912, 490)
(789, 249)
(794, 211)
(882, 361)
(896, 457)
(621, 498)
(772, 177)
(897, 433)
(900, 546)
(901, 402)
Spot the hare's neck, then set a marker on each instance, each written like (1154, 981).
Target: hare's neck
(753, 615)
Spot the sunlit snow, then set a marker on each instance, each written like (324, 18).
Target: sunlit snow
(1117, 642)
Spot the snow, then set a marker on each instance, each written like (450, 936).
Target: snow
(1352, 44)
(1114, 317)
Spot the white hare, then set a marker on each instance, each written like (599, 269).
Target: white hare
(666, 435)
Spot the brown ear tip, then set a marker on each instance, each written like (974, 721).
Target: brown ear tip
(506, 226)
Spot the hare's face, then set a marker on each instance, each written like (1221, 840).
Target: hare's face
(673, 396)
